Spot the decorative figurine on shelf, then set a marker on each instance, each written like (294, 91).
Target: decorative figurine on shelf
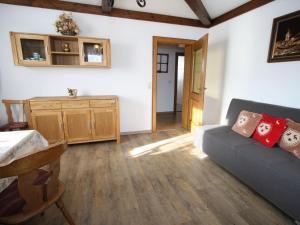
(72, 92)
(66, 25)
(66, 47)
(36, 56)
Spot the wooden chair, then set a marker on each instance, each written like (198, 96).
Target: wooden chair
(36, 188)
(11, 125)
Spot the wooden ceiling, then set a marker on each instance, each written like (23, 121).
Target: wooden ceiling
(196, 6)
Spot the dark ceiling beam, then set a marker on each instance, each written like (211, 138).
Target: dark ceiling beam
(200, 11)
(93, 9)
(129, 14)
(240, 10)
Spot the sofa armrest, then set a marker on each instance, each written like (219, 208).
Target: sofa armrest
(199, 133)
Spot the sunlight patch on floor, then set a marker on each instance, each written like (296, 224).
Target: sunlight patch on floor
(162, 146)
(181, 142)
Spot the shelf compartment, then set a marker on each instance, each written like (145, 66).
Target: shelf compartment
(65, 60)
(57, 44)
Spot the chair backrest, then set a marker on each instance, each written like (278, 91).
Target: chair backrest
(21, 111)
(31, 182)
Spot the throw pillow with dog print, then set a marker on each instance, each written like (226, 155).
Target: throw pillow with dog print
(246, 123)
(290, 140)
(269, 130)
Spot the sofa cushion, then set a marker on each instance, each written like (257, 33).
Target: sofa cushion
(272, 173)
(290, 140)
(219, 143)
(260, 155)
(246, 123)
(228, 137)
(269, 130)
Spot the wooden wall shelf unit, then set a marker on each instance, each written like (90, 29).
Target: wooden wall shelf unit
(76, 120)
(47, 50)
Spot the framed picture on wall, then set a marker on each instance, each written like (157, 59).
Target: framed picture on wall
(285, 38)
(162, 63)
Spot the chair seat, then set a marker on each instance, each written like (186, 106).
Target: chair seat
(14, 126)
(11, 201)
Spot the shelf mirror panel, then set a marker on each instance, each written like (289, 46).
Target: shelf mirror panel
(93, 52)
(33, 50)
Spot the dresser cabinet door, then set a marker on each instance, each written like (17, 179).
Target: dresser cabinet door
(77, 124)
(49, 124)
(104, 123)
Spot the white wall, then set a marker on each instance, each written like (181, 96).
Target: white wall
(131, 73)
(166, 81)
(180, 79)
(237, 63)
(2, 110)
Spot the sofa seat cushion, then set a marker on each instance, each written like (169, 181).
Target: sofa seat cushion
(220, 144)
(273, 173)
(258, 158)
(228, 137)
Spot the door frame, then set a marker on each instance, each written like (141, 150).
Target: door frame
(161, 40)
(177, 54)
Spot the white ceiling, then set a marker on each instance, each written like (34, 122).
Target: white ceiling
(166, 7)
(217, 8)
(173, 7)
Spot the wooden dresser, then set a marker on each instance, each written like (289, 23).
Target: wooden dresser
(76, 120)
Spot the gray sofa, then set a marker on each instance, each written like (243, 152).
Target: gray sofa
(274, 174)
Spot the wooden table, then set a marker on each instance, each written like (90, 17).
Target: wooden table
(18, 144)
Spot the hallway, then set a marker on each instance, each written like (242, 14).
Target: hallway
(168, 121)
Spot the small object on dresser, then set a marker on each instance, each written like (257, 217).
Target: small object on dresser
(66, 47)
(72, 92)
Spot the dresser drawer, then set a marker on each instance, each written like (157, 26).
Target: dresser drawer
(45, 105)
(75, 104)
(102, 103)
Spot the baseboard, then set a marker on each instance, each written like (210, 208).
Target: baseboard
(137, 132)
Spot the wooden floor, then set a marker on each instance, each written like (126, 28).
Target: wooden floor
(154, 179)
(168, 121)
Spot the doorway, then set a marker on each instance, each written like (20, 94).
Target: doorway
(170, 75)
(186, 113)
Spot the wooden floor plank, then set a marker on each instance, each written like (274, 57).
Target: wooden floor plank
(154, 179)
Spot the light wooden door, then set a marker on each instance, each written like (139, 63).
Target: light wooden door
(104, 123)
(49, 124)
(77, 124)
(33, 49)
(94, 52)
(197, 82)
